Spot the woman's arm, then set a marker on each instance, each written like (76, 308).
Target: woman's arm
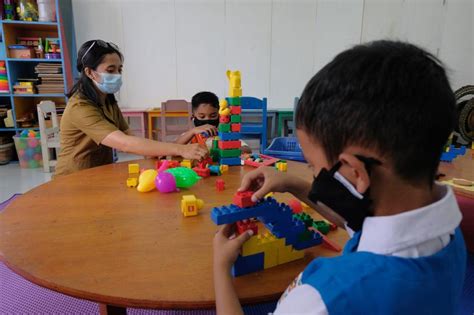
(141, 146)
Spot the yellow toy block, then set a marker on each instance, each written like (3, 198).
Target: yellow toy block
(282, 166)
(190, 205)
(235, 92)
(186, 163)
(224, 110)
(224, 168)
(270, 194)
(133, 168)
(132, 182)
(287, 254)
(305, 207)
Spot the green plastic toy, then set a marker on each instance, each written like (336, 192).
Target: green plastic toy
(185, 177)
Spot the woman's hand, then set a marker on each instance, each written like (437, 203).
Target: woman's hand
(227, 246)
(194, 151)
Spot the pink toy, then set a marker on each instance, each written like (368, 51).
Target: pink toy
(165, 182)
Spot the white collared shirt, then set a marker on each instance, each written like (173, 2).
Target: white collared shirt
(416, 233)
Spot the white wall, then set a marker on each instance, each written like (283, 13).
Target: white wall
(175, 48)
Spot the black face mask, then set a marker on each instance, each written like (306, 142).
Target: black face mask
(330, 191)
(202, 122)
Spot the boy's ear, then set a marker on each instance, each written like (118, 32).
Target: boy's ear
(354, 170)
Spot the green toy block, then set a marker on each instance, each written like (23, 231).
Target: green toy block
(215, 144)
(235, 118)
(305, 236)
(306, 218)
(234, 101)
(230, 153)
(224, 127)
(321, 226)
(214, 153)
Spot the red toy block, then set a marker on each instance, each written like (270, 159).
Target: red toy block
(204, 163)
(235, 127)
(220, 185)
(224, 119)
(243, 199)
(327, 243)
(224, 145)
(246, 225)
(173, 164)
(203, 172)
(295, 205)
(235, 110)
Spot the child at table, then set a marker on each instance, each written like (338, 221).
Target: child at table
(205, 116)
(372, 125)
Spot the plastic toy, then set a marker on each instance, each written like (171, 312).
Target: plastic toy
(165, 183)
(236, 127)
(235, 110)
(260, 160)
(224, 119)
(231, 161)
(224, 127)
(235, 88)
(225, 136)
(295, 205)
(245, 225)
(190, 205)
(248, 264)
(185, 177)
(282, 166)
(146, 180)
(132, 182)
(230, 153)
(186, 163)
(224, 168)
(220, 185)
(243, 199)
(235, 119)
(224, 110)
(215, 170)
(224, 145)
(133, 168)
(202, 172)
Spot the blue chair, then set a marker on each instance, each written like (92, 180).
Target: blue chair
(255, 130)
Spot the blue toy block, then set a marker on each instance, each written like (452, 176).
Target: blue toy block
(232, 213)
(215, 169)
(230, 161)
(447, 157)
(315, 239)
(248, 264)
(226, 136)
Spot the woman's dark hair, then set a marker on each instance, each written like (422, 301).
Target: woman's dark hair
(390, 96)
(91, 54)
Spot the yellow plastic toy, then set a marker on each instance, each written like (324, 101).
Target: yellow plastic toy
(281, 166)
(146, 181)
(132, 182)
(224, 168)
(186, 163)
(190, 205)
(224, 110)
(235, 87)
(133, 169)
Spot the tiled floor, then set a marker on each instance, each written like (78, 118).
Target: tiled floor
(14, 179)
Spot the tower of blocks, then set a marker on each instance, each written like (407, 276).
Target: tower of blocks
(226, 150)
(287, 235)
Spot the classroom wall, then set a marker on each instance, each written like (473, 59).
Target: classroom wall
(175, 48)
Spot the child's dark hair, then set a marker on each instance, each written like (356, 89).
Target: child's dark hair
(205, 98)
(389, 96)
(91, 54)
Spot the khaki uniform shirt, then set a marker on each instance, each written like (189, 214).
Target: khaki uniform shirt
(83, 127)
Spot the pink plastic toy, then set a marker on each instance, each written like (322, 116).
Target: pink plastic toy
(165, 182)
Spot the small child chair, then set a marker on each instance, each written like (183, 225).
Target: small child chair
(49, 136)
(250, 130)
(174, 110)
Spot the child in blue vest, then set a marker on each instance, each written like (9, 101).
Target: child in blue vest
(372, 125)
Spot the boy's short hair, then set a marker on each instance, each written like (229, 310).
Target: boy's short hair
(392, 97)
(205, 98)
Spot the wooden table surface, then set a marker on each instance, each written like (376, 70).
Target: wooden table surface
(89, 236)
(461, 167)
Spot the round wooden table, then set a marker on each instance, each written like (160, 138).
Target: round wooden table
(89, 236)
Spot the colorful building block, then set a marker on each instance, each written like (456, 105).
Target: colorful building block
(295, 205)
(173, 164)
(282, 166)
(229, 153)
(190, 205)
(234, 101)
(203, 172)
(322, 226)
(133, 168)
(225, 136)
(235, 92)
(224, 127)
(287, 254)
(132, 182)
(327, 243)
(215, 170)
(243, 199)
(230, 161)
(248, 264)
(235, 127)
(235, 118)
(236, 144)
(235, 110)
(224, 168)
(186, 163)
(246, 225)
(220, 185)
(224, 119)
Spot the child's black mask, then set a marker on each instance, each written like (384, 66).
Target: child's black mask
(202, 122)
(330, 191)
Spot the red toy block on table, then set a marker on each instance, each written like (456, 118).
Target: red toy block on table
(327, 243)
(204, 163)
(243, 199)
(220, 185)
(246, 225)
(224, 145)
(203, 172)
(267, 161)
(235, 127)
(224, 119)
(295, 205)
(173, 164)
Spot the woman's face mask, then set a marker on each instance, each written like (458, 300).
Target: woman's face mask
(110, 83)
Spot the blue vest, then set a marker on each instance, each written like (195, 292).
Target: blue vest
(367, 283)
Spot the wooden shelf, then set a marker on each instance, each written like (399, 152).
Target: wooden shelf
(29, 23)
(39, 95)
(33, 60)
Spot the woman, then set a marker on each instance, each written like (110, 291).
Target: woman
(92, 124)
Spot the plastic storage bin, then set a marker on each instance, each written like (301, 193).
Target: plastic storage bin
(29, 152)
(286, 148)
(6, 153)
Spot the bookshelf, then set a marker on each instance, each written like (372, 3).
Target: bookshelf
(17, 69)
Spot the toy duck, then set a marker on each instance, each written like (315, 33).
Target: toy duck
(224, 110)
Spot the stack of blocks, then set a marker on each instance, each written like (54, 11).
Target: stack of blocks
(133, 172)
(288, 234)
(227, 149)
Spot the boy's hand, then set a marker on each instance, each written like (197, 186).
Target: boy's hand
(264, 180)
(194, 151)
(210, 129)
(227, 246)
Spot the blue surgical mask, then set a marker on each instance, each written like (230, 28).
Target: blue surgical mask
(110, 83)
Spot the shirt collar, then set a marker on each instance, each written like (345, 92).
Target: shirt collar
(388, 234)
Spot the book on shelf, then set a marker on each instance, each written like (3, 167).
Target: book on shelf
(51, 77)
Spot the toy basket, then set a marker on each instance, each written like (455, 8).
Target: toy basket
(29, 152)
(286, 148)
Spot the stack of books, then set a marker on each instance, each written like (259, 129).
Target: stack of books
(51, 77)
